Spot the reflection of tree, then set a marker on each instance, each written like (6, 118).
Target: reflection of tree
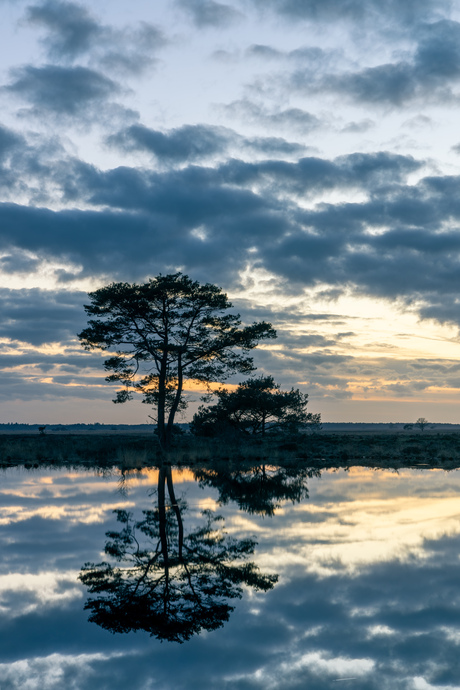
(258, 489)
(164, 581)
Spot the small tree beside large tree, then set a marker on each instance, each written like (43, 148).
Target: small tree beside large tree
(165, 332)
(257, 406)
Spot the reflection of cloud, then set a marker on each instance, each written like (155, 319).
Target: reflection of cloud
(52, 671)
(359, 518)
(385, 623)
(21, 593)
(82, 514)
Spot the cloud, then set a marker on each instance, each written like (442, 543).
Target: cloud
(395, 241)
(41, 316)
(315, 57)
(263, 51)
(13, 149)
(67, 91)
(136, 49)
(275, 146)
(429, 73)
(358, 127)
(355, 10)
(294, 119)
(73, 30)
(210, 13)
(9, 141)
(187, 143)
(196, 142)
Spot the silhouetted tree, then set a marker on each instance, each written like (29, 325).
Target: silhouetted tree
(257, 406)
(421, 423)
(259, 490)
(163, 332)
(164, 581)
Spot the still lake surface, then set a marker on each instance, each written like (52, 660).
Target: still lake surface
(367, 595)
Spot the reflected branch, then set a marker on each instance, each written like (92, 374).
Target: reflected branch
(164, 581)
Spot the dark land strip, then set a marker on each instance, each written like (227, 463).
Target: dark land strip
(319, 451)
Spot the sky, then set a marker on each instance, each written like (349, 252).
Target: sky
(301, 154)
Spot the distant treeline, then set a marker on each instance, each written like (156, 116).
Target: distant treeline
(149, 428)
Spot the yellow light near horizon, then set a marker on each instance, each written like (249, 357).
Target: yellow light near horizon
(371, 526)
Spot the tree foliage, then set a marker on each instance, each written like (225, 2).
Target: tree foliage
(164, 332)
(257, 406)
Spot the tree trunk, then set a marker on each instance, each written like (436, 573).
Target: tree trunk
(176, 509)
(161, 411)
(162, 525)
(173, 410)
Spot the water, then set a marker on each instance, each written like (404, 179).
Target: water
(367, 593)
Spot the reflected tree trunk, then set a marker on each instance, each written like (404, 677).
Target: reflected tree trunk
(165, 581)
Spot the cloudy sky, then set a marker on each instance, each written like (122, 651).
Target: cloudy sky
(302, 154)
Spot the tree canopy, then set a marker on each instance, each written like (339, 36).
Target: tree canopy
(166, 331)
(257, 406)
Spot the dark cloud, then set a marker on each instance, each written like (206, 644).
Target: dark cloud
(187, 143)
(430, 73)
(392, 84)
(41, 316)
(263, 51)
(355, 10)
(13, 148)
(68, 91)
(196, 142)
(9, 141)
(398, 242)
(73, 30)
(210, 13)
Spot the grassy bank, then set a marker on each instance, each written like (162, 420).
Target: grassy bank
(317, 450)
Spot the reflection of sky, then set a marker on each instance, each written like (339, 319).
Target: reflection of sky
(369, 587)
